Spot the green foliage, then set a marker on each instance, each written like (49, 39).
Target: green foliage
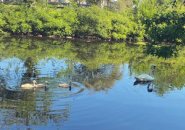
(164, 20)
(55, 22)
(167, 27)
(69, 21)
(2, 22)
(94, 21)
(16, 22)
(105, 24)
(147, 8)
(155, 20)
(125, 27)
(22, 20)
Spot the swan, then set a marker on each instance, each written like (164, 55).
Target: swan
(64, 85)
(33, 85)
(29, 85)
(146, 77)
(42, 85)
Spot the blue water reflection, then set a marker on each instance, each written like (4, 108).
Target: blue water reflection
(11, 71)
(104, 95)
(50, 67)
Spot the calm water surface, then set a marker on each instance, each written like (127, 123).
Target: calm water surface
(104, 96)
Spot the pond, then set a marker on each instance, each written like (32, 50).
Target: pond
(104, 94)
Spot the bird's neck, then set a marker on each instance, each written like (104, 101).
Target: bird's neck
(34, 84)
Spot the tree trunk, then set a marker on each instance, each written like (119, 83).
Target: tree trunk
(102, 3)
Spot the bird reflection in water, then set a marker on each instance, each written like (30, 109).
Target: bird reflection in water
(150, 85)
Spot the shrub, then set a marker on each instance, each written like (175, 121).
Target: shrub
(125, 27)
(69, 21)
(166, 27)
(94, 21)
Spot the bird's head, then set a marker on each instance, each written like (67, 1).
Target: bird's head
(34, 81)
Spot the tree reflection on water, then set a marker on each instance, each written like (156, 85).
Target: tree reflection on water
(96, 66)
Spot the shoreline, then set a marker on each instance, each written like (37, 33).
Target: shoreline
(87, 39)
(92, 39)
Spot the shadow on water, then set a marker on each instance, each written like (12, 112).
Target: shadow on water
(161, 51)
